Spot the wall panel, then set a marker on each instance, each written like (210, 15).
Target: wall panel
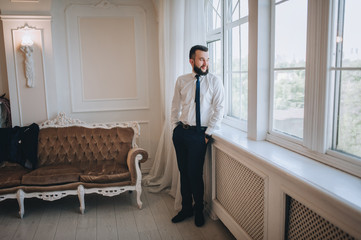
(107, 57)
(109, 71)
(37, 103)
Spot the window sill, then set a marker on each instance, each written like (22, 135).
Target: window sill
(332, 158)
(337, 184)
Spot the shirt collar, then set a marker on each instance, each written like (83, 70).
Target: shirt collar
(200, 76)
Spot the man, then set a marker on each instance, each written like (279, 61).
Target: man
(193, 130)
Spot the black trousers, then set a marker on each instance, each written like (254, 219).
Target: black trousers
(190, 147)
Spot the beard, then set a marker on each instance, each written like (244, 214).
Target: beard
(199, 71)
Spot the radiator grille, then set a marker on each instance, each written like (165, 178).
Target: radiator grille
(303, 223)
(241, 192)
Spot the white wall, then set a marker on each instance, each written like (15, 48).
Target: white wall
(65, 82)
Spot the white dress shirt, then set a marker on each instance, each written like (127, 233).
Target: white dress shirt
(211, 101)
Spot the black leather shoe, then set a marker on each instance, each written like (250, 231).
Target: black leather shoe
(199, 219)
(181, 216)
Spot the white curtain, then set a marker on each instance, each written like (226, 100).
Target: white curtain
(181, 25)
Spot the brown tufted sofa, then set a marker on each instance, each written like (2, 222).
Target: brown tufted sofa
(75, 158)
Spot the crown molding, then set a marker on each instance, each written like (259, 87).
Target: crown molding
(25, 17)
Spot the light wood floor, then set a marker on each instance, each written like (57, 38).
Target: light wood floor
(105, 218)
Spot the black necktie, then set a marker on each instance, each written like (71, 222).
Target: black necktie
(198, 105)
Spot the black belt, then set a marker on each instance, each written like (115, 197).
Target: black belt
(189, 127)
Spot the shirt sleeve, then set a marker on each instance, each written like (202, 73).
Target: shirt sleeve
(218, 107)
(176, 105)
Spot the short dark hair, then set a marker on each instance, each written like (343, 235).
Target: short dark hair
(193, 50)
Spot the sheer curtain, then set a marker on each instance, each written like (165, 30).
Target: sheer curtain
(181, 25)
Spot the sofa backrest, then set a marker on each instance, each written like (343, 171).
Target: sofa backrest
(64, 140)
(78, 145)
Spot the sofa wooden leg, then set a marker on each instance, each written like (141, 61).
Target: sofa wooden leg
(81, 198)
(20, 197)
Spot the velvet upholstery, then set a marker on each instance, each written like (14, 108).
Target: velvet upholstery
(106, 172)
(11, 174)
(83, 146)
(49, 175)
(101, 154)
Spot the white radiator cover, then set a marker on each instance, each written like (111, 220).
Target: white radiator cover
(240, 191)
(303, 223)
(255, 200)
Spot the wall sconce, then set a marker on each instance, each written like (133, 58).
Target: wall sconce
(28, 49)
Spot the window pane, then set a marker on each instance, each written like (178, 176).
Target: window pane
(236, 95)
(215, 58)
(244, 8)
(290, 31)
(351, 55)
(239, 96)
(349, 117)
(290, 34)
(214, 14)
(346, 58)
(347, 44)
(238, 71)
(236, 9)
(288, 103)
(244, 71)
(235, 35)
(244, 47)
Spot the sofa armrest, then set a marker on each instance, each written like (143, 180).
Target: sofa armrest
(133, 162)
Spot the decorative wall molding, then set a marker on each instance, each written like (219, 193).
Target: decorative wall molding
(29, 64)
(26, 27)
(104, 4)
(25, 1)
(39, 27)
(102, 11)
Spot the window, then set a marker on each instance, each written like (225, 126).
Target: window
(227, 38)
(315, 78)
(289, 65)
(314, 60)
(346, 77)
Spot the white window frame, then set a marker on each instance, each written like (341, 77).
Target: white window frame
(219, 34)
(334, 154)
(276, 136)
(237, 123)
(316, 141)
